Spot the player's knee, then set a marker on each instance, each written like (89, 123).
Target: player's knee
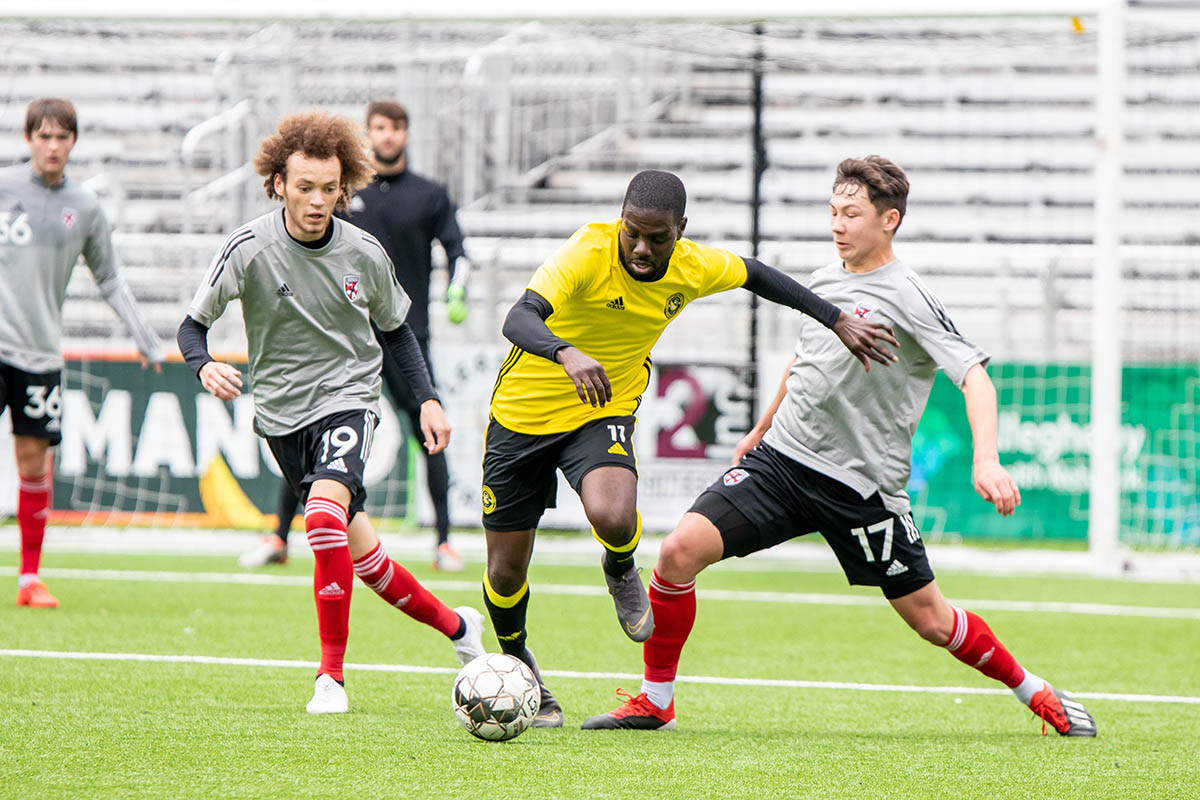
(614, 525)
(505, 578)
(677, 562)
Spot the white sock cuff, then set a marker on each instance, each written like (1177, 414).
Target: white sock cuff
(661, 693)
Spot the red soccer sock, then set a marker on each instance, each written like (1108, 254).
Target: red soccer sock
(397, 585)
(333, 580)
(674, 608)
(33, 504)
(973, 643)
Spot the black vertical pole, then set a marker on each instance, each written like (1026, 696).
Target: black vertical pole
(760, 165)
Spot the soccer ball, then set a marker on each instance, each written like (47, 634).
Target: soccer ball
(496, 697)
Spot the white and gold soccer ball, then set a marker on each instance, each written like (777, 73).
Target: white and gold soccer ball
(496, 697)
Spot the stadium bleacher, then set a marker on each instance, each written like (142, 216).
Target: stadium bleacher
(995, 125)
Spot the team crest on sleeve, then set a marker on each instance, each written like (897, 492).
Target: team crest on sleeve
(735, 476)
(674, 303)
(350, 285)
(69, 217)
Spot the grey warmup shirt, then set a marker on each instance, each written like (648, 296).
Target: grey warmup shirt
(308, 318)
(857, 426)
(43, 231)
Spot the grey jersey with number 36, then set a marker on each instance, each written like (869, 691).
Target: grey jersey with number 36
(308, 317)
(43, 231)
(857, 426)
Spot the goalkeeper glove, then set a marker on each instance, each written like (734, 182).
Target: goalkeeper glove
(456, 304)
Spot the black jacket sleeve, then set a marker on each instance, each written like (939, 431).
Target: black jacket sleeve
(403, 348)
(525, 326)
(771, 284)
(193, 343)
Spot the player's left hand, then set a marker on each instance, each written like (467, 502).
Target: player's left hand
(146, 364)
(995, 485)
(456, 304)
(864, 339)
(434, 427)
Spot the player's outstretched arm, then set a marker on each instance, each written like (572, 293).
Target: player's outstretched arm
(866, 340)
(751, 439)
(434, 426)
(525, 326)
(992, 481)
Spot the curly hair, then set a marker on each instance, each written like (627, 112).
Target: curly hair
(316, 134)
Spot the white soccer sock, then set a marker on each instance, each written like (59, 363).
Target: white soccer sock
(1026, 689)
(659, 693)
(26, 578)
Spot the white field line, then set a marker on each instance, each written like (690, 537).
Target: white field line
(606, 676)
(791, 598)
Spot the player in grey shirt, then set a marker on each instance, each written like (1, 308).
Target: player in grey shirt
(310, 287)
(46, 222)
(832, 454)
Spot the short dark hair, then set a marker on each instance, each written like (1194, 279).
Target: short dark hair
(885, 182)
(655, 190)
(390, 109)
(50, 108)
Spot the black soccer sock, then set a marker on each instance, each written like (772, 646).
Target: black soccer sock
(618, 560)
(285, 510)
(508, 617)
(438, 474)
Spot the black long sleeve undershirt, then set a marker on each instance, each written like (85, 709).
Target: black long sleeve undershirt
(402, 346)
(193, 344)
(525, 326)
(771, 284)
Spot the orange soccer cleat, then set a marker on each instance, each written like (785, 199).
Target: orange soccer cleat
(36, 595)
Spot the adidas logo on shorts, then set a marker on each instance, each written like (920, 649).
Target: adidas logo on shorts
(337, 465)
(895, 569)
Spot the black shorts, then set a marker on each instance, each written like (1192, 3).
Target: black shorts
(770, 498)
(519, 483)
(34, 400)
(334, 448)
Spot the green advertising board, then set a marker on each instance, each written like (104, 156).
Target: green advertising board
(1044, 437)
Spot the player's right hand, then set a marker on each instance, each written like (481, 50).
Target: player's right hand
(588, 375)
(434, 427)
(223, 381)
(863, 339)
(748, 443)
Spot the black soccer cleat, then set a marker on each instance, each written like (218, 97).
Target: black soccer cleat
(636, 713)
(1064, 713)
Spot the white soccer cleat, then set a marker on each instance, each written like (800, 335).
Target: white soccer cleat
(271, 550)
(470, 645)
(329, 697)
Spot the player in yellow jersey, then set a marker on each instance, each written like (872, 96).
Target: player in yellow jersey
(568, 390)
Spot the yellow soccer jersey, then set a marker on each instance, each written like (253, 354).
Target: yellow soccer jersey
(600, 309)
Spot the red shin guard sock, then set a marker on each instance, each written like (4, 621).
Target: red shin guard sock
(973, 643)
(33, 504)
(674, 608)
(397, 585)
(333, 576)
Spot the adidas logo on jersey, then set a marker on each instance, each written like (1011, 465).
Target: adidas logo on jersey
(337, 465)
(284, 291)
(617, 304)
(331, 590)
(617, 450)
(896, 569)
